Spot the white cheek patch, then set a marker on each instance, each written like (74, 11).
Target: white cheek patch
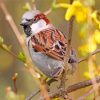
(37, 27)
(34, 27)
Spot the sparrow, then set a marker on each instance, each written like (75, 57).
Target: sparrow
(46, 44)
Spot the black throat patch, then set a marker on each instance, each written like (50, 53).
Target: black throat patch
(27, 30)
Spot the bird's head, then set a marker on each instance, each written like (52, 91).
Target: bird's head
(33, 21)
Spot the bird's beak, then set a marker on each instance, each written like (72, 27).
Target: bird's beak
(23, 23)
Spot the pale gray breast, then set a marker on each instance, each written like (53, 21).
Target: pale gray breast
(46, 64)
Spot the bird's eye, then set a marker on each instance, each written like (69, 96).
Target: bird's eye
(34, 19)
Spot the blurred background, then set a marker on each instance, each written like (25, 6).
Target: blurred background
(9, 65)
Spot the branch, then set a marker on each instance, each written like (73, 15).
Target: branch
(8, 51)
(86, 94)
(78, 84)
(70, 87)
(48, 11)
(67, 55)
(29, 63)
(32, 70)
(12, 24)
(32, 95)
(14, 78)
(91, 54)
(38, 91)
(74, 87)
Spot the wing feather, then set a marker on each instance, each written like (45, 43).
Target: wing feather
(50, 42)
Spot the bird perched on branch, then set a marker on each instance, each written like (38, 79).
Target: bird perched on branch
(47, 45)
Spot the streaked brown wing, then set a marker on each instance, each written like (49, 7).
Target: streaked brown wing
(51, 42)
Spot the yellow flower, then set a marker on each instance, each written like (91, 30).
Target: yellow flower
(94, 17)
(97, 36)
(87, 75)
(78, 10)
(89, 47)
(75, 9)
(84, 49)
(91, 44)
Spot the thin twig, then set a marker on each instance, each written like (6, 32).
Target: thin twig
(10, 52)
(86, 94)
(67, 55)
(48, 11)
(91, 54)
(32, 95)
(33, 71)
(81, 60)
(74, 87)
(11, 22)
(14, 78)
(36, 92)
(70, 88)
(70, 26)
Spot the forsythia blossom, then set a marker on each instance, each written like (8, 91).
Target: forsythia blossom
(76, 9)
(92, 43)
(94, 17)
(97, 36)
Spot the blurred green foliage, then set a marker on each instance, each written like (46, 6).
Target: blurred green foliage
(22, 57)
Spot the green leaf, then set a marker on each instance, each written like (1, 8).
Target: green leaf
(22, 57)
(27, 7)
(54, 6)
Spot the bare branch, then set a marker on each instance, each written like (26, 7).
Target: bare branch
(67, 55)
(86, 94)
(91, 54)
(32, 70)
(10, 52)
(32, 95)
(48, 11)
(29, 62)
(70, 88)
(14, 78)
(74, 87)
